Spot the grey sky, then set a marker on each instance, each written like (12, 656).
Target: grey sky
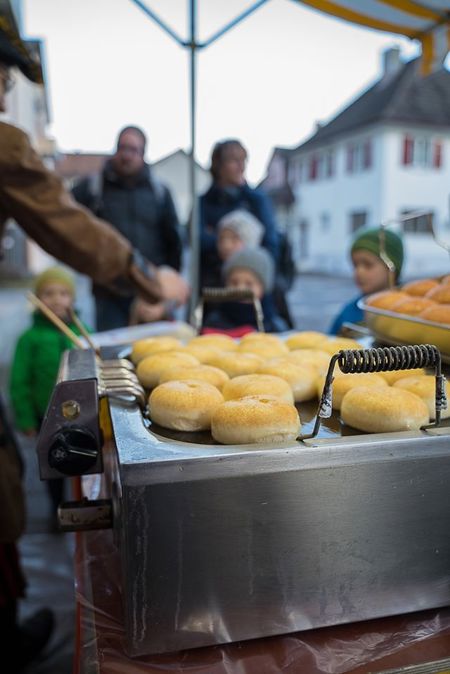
(266, 82)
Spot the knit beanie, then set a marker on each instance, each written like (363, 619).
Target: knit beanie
(369, 239)
(54, 275)
(256, 260)
(245, 225)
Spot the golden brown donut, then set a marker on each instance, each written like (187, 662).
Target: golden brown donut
(235, 364)
(260, 337)
(395, 375)
(318, 359)
(254, 384)
(445, 279)
(343, 383)
(383, 410)
(386, 299)
(207, 373)
(412, 306)
(421, 287)
(203, 352)
(332, 346)
(309, 339)
(266, 349)
(440, 294)
(257, 419)
(425, 388)
(184, 405)
(150, 345)
(222, 342)
(439, 313)
(149, 369)
(301, 378)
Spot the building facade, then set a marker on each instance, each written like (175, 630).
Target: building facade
(384, 158)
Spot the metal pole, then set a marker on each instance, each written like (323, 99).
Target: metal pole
(194, 224)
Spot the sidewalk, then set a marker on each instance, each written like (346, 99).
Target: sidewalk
(48, 557)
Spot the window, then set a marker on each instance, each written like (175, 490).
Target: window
(421, 224)
(359, 156)
(329, 164)
(325, 222)
(357, 219)
(313, 172)
(421, 152)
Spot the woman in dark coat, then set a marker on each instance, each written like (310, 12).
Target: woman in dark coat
(229, 192)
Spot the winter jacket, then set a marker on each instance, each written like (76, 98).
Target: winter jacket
(230, 315)
(350, 313)
(216, 203)
(141, 209)
(37, 200)
(35, 369)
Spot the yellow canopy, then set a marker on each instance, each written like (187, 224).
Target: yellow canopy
(424, 20)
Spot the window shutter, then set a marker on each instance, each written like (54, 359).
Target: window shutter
(367, 156)
(437, 155)
(350, 158)
(407, 150)
(313, 166)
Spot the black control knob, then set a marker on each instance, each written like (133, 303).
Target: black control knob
(73, 451)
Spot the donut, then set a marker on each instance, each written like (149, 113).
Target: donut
(184, 405)
(343, 383)
(309, 339)
(150, 368)
(266, 349)
(413, 306)
(255, 419)
(301, 378)
(207, 373)
(421, 287)
(383, 410)
(235, 364)
(254, 384)
(386, 299)
(439, 313)
(150, 345)
(222, 342)
(440, 293)
(425, 388)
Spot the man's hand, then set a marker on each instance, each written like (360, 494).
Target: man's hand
(144, 312)
(173, 286)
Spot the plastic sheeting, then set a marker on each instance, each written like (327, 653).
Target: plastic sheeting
(406, 639)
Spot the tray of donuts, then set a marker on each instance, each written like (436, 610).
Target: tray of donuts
(264, 389)
(415, 313)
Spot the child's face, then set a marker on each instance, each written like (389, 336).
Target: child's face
(228, 243)
(244, 278)
(369, 272)
(58, 298)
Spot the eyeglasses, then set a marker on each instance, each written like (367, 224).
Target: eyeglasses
(8, 81)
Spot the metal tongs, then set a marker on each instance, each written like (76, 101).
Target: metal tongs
(227, 295)
(385, 359)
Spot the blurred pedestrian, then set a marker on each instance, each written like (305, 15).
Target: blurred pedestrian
(369, 271)
(37, 358)
(248, 269)
(140, 207)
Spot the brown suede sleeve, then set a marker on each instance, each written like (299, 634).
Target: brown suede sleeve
(38, 201)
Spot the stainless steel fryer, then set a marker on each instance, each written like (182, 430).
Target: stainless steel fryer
(224, 543)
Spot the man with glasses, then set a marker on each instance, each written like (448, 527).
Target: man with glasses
(129, 196)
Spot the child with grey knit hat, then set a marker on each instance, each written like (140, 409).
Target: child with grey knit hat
(252, 269)
(237, 230)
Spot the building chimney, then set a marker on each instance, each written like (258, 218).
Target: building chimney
(391, 62)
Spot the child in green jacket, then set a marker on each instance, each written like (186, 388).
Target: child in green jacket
(37, 357)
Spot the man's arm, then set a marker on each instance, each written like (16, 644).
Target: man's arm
(37, 200)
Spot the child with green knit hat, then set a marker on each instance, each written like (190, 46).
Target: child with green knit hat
(37, 357)
(369, 271)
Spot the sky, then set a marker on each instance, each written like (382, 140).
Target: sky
(267, 82)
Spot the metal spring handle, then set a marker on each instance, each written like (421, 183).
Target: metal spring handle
(211, 295)
(384, 359)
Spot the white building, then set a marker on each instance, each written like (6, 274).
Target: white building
(386, 154)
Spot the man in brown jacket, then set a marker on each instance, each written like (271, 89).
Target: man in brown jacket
(37, 200)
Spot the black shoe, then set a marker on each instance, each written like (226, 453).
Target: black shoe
(35, 633)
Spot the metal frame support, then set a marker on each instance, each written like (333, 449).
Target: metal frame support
(193, 46)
